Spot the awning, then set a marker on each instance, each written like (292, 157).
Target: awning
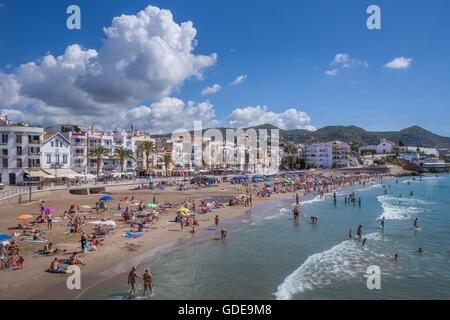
(64, 173)
(37, 174)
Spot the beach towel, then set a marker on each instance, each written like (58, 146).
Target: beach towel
(133, 235)
(31, 240)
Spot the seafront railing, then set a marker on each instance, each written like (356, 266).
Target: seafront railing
(20, 194)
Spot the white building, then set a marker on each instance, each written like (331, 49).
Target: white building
(414, 156)
(328, 155)
(19, 151)
(427, 151)
(385, 146)
(56, 155)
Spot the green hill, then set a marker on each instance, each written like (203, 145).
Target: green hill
(413, 136)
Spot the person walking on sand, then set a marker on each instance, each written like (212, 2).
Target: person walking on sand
(216, 220)
(132, 276)
(148, 281)
(49, 221)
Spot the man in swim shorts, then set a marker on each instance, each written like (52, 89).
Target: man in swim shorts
(132, 276)
(55, 267)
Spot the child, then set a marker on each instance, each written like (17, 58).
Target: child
(21, 261)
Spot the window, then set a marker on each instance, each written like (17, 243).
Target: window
(5, 163)
(19, 151)
(52, 144)
(64, 158)
(56, 158)
(19, 163)
(49, 158)
(4, 138)
(5, 152)
(18, 138)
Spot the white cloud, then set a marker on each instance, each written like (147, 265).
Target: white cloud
(167, 115)
(211, 90)
(238, 80)
(343, 61)
(399, 63)
(253, 116)
(332, 72)
(340, 58)
(144, 57)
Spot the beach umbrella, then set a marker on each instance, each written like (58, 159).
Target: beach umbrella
(183, 210)
(48, 210)
(4, 237)
(106, 198)
(25, 216)
(151, 205)
(208, 204)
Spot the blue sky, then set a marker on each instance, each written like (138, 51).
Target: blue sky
(284, 48)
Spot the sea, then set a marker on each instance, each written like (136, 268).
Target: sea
(266, 255)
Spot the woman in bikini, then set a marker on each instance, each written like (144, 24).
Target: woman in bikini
(148, 281)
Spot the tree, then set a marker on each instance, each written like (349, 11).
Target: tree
(167, 160)
(99, 152)
(147, 148)
(123, 154)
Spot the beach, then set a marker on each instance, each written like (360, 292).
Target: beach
(118, 252)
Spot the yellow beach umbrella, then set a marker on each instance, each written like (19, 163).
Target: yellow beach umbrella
(183, 210)
(25, 216)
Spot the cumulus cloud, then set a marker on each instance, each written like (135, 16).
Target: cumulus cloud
(343, 61)
(238, 80)
(211, 90)
(167, 115)
(254, 116)
(144, 57)
(399, 63)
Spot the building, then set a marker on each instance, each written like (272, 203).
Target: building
(20, 147)
(56, 157)
(78, 145)
(335, 154)
(414, 156)
(385, 146)
(426, 151)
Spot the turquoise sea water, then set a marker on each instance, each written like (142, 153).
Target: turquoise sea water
(267, 256)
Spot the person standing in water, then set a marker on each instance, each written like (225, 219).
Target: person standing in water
(416, 225)
(296, 198)
(132, 276)
(382, 223)
(216, 220)
(296, 213)
(359, 202)
(359, 231)
(350, 234)
(148, 281)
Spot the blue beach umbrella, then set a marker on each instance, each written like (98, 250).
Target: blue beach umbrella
(4, 237)
(105, 198)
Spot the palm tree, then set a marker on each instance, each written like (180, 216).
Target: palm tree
(147, 147)
(99, 152)
(167, 160)
(123, 154)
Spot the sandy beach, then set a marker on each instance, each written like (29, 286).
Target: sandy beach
(118, 253)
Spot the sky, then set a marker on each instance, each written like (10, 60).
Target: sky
(163, 64)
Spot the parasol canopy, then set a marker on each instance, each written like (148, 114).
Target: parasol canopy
(25, 216)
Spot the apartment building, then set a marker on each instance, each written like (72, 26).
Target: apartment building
(335, 154)
(20, 152)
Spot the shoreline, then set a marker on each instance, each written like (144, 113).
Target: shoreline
(111, 261)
